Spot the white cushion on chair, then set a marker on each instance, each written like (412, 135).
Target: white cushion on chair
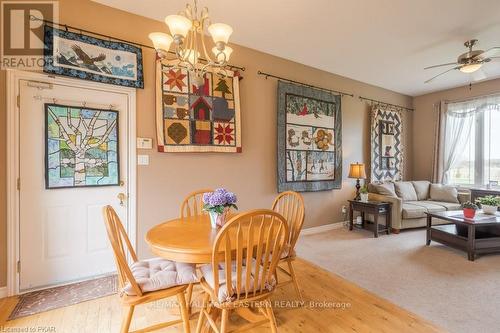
(156, 274)
(208, 274)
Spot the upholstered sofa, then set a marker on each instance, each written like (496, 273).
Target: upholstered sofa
(412, 199)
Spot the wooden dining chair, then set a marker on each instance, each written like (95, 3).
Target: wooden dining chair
(243, 253)
(131, 292)
(290, 204)
(193, 204)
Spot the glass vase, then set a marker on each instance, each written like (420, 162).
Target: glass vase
(218, 220)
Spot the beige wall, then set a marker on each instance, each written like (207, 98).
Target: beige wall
(251, 174)
(424, 122)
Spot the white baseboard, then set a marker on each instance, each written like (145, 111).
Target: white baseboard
(3, 292)
(323, 228)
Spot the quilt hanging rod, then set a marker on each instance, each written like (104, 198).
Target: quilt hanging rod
(384, 103)
(341, 93)
(69, 27)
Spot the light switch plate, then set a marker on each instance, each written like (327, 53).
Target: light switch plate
(144, 143)
(142, 159)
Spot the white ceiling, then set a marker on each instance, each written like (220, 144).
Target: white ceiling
(382, 42)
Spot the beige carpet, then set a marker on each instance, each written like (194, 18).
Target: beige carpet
(436, 282)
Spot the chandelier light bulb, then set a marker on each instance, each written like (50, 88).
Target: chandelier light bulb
(220, 32)
(219, 55)
(470, 68)
(178, 25)
(161, 41)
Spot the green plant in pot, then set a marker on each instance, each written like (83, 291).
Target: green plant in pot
(469, 209)
(363, 193)
(489, 204)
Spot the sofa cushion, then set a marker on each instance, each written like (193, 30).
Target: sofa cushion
(386, 188)
(417, 209)
(155, 274)
(447, 205)
(443, 193)
(405, 191)
(422, 188)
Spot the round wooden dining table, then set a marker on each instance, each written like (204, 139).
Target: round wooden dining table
(188, 240)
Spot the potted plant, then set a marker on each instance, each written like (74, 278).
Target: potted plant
(489, 204)
(469, 209)
(217, 204)
(363, 193)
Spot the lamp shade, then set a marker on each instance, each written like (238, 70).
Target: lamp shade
(470, 68)
(220, 32)
(178, 25)
(161, 41)
(357, 171)
(220, 54)
(190, 56)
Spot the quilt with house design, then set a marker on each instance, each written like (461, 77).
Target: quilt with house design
(190, 118)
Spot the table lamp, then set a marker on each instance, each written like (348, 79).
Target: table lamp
(357, 171)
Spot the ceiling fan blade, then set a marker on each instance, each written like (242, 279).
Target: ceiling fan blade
(448, 64)
(489, 53)
(479, 75)
(449, 70)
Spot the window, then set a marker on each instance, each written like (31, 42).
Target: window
(472, 142)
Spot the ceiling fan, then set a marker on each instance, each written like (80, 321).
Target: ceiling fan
(470, 61)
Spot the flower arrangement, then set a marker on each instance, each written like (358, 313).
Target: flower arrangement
(217, 204)
(363, 193)
(489, 204)
(469, 209)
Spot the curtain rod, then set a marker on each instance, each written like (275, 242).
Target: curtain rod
(471, 99)
(384, 103)
(80, 30)
(304, 84)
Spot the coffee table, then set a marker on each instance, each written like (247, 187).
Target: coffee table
(478, 236)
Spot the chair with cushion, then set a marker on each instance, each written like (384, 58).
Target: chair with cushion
(146, 281)
(290, 204)
(243, 270)
(193, 204)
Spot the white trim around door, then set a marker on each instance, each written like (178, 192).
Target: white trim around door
(13, 79)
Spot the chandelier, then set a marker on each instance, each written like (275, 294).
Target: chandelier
(187, 33)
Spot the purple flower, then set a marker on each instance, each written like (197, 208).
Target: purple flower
(217, 199)
(230, 198)
(220, 190)
(206, 197)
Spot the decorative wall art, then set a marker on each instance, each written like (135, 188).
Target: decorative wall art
(81, 147)
(197, 119)
(309, 139)
(386, 144)
(89, 58)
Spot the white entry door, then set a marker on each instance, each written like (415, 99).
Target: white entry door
(62, 236)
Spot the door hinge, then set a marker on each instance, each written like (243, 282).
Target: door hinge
(18, 184)
(18, 101)
(19, 266)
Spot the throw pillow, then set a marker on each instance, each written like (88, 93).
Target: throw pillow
(444, 193)
(405, 191)
(384, 188)
(422, 188)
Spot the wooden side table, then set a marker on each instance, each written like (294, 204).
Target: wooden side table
(376, 208)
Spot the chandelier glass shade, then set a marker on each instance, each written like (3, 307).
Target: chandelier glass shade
(187, 37)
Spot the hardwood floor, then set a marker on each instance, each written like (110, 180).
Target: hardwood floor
(332, 304)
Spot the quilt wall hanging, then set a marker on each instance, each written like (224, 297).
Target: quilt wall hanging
(387, 155)
(309, 139)
(81, 147)
(192, 118)
(89, 58)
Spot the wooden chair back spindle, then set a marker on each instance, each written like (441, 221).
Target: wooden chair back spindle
(249, 241)
(193, 204)
(290, 204)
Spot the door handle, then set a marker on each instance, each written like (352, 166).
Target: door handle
(122, 197)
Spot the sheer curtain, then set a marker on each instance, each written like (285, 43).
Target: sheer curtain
(455, 128)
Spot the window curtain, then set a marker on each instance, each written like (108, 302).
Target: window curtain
(453, 130)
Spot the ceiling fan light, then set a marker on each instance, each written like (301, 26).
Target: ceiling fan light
(161, 41)
(219, 55)
(178, 25)
(470, 68)
(220, 32)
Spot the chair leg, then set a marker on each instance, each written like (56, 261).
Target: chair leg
(272, 319)
(127, 319)
(294, 279)
(184, 312)
(199, 326)
(224, 321)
